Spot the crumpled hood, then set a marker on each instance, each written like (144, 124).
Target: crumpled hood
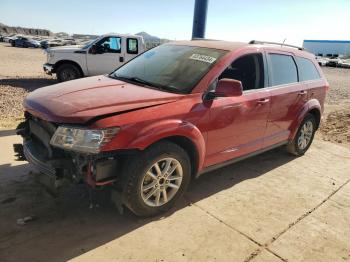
(80, 100)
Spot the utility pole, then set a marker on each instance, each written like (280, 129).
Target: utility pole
(199, 18)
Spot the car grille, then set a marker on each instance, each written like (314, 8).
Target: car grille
(33, 155)
(40, 132)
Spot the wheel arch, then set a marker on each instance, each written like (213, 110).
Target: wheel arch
(189, 146)
(317, 114)
(313, 107)
(184, 134)
(61, 62)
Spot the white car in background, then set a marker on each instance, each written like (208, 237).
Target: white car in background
(101, 56)
(334, 61)
(345, 63)
(7, 38)
(321, 60)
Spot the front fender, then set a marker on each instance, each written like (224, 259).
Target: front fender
(77, 59)
(143, 137)
(170, 128)
(307, 107)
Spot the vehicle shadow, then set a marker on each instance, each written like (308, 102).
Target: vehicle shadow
(65, 226)
(28, 84)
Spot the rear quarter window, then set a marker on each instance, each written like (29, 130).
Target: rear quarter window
(132, 46)
(307, 69)
(283, 69)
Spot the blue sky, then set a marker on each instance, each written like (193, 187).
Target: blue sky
(272, 20)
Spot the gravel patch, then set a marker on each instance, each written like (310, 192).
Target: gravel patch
(339, 82)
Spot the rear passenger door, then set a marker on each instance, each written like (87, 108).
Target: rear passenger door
(132, 48)
(311, 78)
(287, 96)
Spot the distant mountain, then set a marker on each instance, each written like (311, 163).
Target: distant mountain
(148, 38)
(5, 29)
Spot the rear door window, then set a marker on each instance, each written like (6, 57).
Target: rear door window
(283, 69)
(307, 69)
(132, 46)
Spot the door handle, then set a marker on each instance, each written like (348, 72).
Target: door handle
(121, 59)
(302, 93)
(263, 101)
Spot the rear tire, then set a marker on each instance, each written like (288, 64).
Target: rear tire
(66, 72)
(304, 137)
(155, 179)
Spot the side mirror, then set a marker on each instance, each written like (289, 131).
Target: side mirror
(228, 88)
(93, 49)
(96, 49)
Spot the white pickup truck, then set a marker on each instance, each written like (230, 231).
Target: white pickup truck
(101, 56)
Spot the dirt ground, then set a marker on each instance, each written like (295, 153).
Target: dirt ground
(336, 120)
(273, 207)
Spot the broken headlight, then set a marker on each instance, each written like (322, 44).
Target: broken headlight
(82, 140)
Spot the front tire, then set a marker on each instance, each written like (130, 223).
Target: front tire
(67, 72)
(156, 178)
(304, 137)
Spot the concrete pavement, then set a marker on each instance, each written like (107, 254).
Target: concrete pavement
(273, 207)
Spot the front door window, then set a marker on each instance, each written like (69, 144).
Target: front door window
(109, 45)
(248, 69)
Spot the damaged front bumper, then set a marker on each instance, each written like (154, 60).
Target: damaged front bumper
(100, 169)
(48, 68)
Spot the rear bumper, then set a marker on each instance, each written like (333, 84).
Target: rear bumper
(48, 68)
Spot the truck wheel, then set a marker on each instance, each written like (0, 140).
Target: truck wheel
(66, 72)
(156, 178)
(303, 139)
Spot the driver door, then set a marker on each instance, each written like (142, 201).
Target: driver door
(107, 56)
(237, 125)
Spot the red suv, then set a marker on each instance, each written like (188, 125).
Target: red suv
(173, 113)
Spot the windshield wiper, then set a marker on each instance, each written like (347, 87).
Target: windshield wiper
(171, 89)
(133, 79)
(144, 82)
(141, 81)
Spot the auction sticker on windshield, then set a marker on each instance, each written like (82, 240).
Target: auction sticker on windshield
(203, 58)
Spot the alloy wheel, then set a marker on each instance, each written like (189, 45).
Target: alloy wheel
(305, 136)
(161, 182)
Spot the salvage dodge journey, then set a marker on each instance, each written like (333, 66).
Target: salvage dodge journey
(172, 113)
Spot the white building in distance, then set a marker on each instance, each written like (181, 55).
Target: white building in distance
(328, 47)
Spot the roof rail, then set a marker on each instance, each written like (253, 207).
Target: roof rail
(274, 43)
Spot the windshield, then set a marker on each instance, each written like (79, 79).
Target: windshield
(87, 44)
(174, 68)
